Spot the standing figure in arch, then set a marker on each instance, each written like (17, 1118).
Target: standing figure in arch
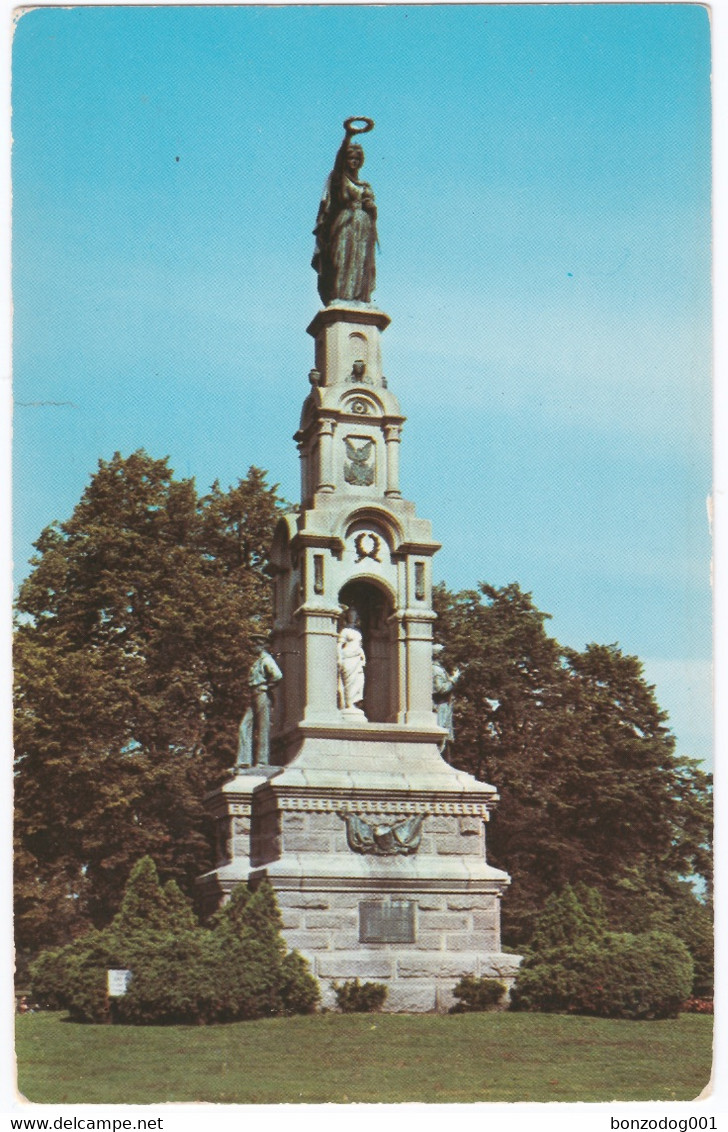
(254, 734)
(346, 226)
(351, 660)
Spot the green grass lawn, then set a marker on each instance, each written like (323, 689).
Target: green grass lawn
(376, 1058)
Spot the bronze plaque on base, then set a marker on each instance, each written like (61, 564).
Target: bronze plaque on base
(390, 921)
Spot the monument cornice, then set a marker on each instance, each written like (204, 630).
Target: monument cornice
(425, 548)
(410, 616)
(304, 539)
(378, 732)
(296, 873)
(342, 800)
(363, 315)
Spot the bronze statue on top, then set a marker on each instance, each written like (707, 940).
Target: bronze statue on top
(346, 226)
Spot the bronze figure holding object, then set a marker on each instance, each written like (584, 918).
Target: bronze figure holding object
(346, 226)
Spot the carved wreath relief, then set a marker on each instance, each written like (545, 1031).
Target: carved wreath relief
(359, 465)
(367, 545)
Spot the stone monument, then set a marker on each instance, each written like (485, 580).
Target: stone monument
(374, 844)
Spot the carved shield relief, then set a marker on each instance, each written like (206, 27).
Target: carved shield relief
(359, 465)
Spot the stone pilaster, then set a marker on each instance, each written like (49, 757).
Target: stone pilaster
(392, 437)
(317, 637)
(326, 480)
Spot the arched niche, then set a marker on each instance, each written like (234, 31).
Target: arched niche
(280, 548)
(380, 520)
(374, 605)
(358, 347)
(361, 403)
(284, 570)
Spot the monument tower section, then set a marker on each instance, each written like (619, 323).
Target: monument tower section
(374, 844)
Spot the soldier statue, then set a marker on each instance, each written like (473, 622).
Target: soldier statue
(443, 689)
(254, 734)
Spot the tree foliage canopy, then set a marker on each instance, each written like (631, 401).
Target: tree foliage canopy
(132, 650)
(591, 788)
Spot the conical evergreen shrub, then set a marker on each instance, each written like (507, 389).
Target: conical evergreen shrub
(237, 968)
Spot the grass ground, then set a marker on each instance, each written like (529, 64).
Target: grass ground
(367, 1058)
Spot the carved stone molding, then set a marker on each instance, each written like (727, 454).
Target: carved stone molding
(397, 806)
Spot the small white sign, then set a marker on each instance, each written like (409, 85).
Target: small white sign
(118, 982)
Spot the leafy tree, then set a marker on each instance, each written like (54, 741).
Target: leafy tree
(591, 788)
(132, 648)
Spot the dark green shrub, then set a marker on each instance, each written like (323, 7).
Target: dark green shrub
(87, 967)
(49, 978)
(574, 915)
(353, 997)
(691, 921)
(74, 977)
(477, 994)
(144, 905)
(623, 976)
(172, 979)
(300, 993)
(181, 973)
(649, 976)
(249, 953)
(249, 980)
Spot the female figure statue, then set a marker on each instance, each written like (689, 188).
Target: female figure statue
(351, 661)
(346, 227)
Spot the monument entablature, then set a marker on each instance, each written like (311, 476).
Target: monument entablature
(374, 843)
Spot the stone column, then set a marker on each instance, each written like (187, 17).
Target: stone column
(288, 695)
(398, 674)
(418, 645)
(326, 456)
(318, 641)
(392, 434)
(303, 454)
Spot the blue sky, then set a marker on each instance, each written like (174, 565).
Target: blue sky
(543, 182)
